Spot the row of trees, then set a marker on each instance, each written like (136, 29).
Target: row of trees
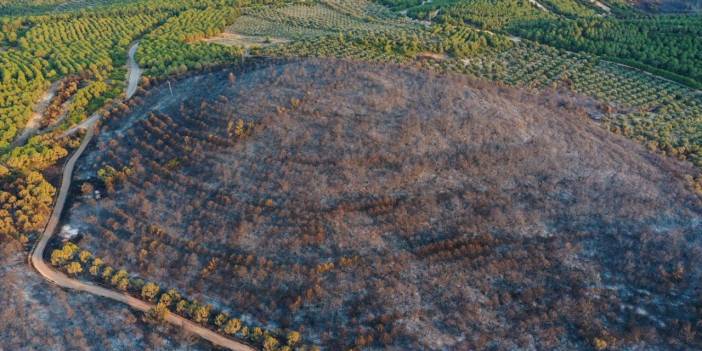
(77, 262)
(457, 41)
(569, 8)
(175, 46)
(486, 14)
(667, 43)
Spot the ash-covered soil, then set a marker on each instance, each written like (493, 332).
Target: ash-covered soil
(37, 315)
(391, 208)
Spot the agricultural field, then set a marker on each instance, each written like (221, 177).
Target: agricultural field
(303, 174)
(328, 17)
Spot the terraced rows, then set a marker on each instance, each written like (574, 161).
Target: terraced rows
(649, 108)
(328, 17)
(661, 113)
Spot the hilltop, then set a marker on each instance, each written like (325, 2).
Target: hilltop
(379, 205)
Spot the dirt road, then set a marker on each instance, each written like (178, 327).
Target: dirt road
(538, 5)
(133, 76)
(34, 122)
(134, 71)
(37, 261)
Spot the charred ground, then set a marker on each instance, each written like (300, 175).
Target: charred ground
(375, 205)
(38, 315)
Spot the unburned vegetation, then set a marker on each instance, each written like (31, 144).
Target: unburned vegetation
(376, 206)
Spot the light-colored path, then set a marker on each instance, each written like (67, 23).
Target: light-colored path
(538, 5)
(602, 6)
(36, 257)
(133, 75)
(134, 71)
(34, 122)
(696, 91)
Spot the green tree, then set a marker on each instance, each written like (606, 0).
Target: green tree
(150, 291)
(157, 313)
(63, 255)
(233, 325)
(221, 319)
(123, 284)
(84, 256)
(167, 299)
(270, 343)
(119, 276)
(181, 306)
(107, 273)
(94, 270)
(201, 313)
(257, 333)
(74, 268)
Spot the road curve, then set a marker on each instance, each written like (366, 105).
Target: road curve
(133, 75)
(37, 259)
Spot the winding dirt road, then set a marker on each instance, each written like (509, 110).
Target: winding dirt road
(37, 261)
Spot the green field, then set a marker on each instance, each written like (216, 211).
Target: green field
(319, 19)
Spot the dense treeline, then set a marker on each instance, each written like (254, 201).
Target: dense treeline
(669, 46)
(40, 49)
(23, 7)
(671, 43)
(491, 14)
(22, 84)
(456, 41)
(174, 46)
(569, 8)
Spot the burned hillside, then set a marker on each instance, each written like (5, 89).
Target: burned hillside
(383, 206)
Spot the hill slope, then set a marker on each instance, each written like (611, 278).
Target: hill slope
(380, 205)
